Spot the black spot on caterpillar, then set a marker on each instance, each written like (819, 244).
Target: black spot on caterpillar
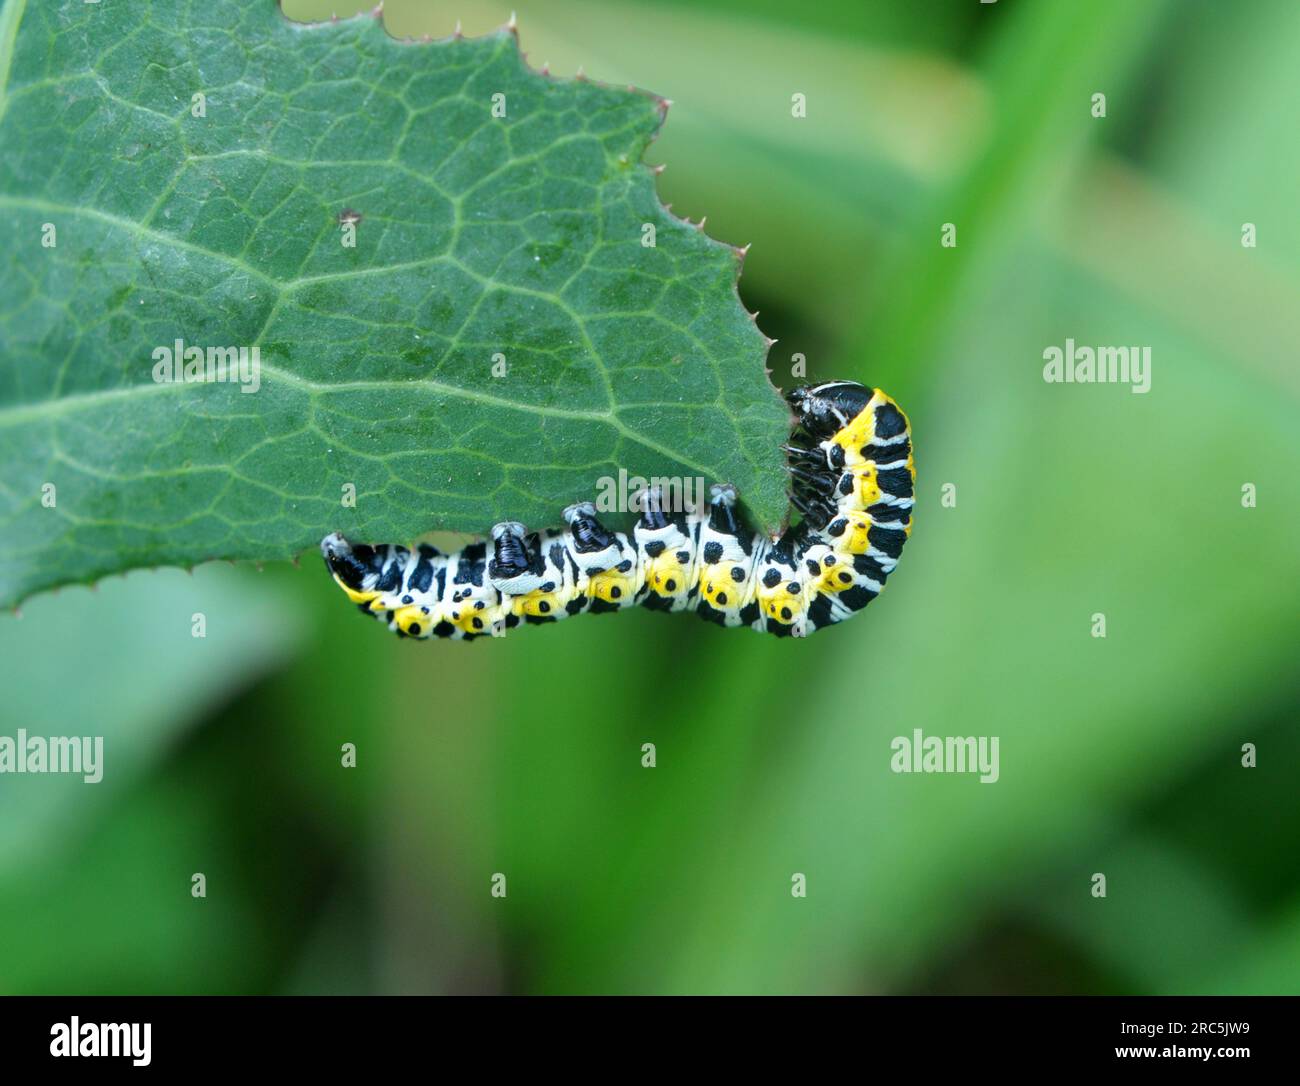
(850, 463)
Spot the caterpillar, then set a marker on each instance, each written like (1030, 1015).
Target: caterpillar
(852, 478)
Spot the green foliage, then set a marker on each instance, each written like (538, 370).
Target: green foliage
(483, 239)
(135, 637)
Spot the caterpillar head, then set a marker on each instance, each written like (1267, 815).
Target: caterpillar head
(825, 409)
(349, 564)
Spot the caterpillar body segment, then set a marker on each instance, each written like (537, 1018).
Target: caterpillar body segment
(667, 545)
(852, 475)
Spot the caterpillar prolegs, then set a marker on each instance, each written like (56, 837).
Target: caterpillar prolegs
(850, 462)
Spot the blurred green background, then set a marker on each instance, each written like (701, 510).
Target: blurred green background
(1120, 756)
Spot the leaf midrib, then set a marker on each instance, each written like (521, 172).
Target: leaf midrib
(17, 414)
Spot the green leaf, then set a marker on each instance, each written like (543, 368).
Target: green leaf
(518, 236)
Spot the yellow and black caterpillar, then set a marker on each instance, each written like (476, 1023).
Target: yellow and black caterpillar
(850, 461)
